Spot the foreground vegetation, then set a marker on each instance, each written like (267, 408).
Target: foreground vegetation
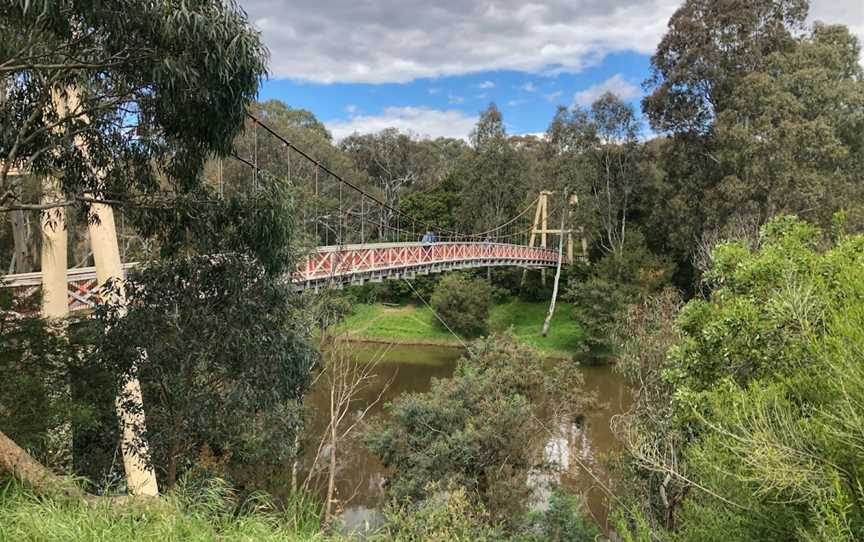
(193, 514)
(749, 414)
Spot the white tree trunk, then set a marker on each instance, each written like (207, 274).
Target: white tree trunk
(55, 309)
(140, 479)
(53, 222)
(548, 321)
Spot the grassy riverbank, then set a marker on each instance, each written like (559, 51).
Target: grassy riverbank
(205, 516)
(416, 324)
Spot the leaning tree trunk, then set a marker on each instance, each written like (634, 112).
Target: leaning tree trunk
(21, 465)
(548, 320)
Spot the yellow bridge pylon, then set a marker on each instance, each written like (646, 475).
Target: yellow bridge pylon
(540, 228)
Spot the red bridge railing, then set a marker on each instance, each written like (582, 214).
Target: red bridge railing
(339, 265)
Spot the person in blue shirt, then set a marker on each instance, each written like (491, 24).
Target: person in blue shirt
(428, 238)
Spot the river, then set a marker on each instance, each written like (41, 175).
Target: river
(411, 369)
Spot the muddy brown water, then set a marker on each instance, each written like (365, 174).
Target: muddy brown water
(360, 476)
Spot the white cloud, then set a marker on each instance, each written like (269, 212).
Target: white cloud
(455, 100)
(486, 84)
(539, 135)
(553, 96)
(516, 103)
(377, 41)
(422, 121)
(528, 87)
(434, 90)
(616, 85)
(351, 109)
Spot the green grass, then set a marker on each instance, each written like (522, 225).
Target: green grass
(208, 516)
(416, 324)
(526, 321)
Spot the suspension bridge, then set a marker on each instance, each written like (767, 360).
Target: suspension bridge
(357, 237)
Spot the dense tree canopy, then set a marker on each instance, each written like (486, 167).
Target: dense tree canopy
(709, 46)
(764, 116)
(131, 81)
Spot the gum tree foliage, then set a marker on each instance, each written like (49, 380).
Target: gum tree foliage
(302, 128)
(763, 113)
(145, 75)
(391, 161)
(596, 154)
(227, 340)
(463, 303)
(709, 46)
(762, 388)
(481, 429)
(492, 173)
(438, 205)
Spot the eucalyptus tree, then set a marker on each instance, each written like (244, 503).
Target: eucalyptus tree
(104, 102)
(764, 116)
(390, 160)
(228, 340)
(493, 176)
(596, 154)
(144, 75)
(709, 46)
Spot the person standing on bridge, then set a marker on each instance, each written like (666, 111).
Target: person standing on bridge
(429, 238)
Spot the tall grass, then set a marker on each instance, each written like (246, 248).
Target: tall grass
(208, 512)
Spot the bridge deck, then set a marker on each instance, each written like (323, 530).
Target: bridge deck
(338, 266)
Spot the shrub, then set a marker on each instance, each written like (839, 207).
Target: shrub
(758, 395)
(463, 303)
(480, 430)
(562, 521)
(448, 516)
(601, 293)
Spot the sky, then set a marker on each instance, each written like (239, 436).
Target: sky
(428, 67)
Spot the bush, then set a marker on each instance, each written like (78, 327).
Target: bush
(562, 521)
(463, 303)
(601, 293)
(448, 516)
(759, 395)
(480, 430)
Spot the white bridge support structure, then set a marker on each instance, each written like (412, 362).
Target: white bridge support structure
(340, 266)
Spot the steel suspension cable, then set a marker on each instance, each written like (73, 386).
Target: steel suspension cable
(398, 212)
